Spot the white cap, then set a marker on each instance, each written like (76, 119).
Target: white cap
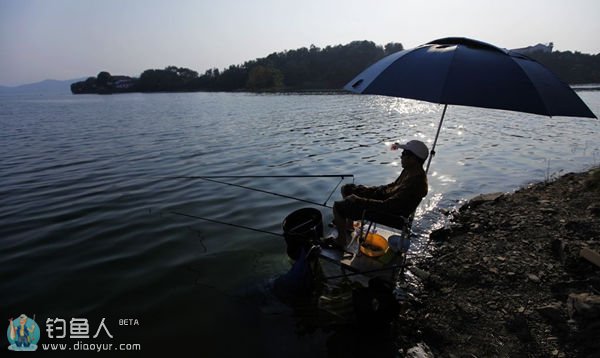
(416, 147)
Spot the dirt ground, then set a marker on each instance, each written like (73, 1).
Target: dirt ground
(507, 278)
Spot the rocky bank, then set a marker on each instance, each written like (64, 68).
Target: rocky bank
(509, 277)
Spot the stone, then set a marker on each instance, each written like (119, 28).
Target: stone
(422, 274)
(590, 255)
(594, 209)
(481, 199)
(553, 312)
(583, 306)
(476, 228)
(558, 249)
(440, 234)
(547, 211)
(421, 350)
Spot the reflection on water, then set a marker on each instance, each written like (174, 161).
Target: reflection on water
(88, 184)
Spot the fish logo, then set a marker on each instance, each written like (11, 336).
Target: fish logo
(23, 334)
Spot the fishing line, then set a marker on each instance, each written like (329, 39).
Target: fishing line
(200, 238)
(199, 233)
(333, 191)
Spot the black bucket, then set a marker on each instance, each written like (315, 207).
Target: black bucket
(301, 229)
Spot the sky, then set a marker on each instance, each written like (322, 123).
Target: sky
(68, 39)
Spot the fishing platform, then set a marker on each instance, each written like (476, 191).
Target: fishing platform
(375, 256)
(374, 250)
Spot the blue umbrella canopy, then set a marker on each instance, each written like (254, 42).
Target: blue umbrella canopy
(468, 72)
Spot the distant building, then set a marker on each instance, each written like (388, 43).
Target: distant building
(122, 82)
(544, 48)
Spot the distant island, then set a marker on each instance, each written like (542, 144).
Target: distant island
(308, 69)
(41, 87)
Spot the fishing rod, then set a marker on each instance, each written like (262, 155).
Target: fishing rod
(225, 223)
(237, 225)
(213, 179)
(259, 176)
(266, 192)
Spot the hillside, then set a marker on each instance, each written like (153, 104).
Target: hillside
(313, 68)
(46, 86)
(296, 70)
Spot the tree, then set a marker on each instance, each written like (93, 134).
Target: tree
(261, 78)
(232, 79)
(182, 72)
(392, 47)
(103, 79)
(159, 80)
(171, 78)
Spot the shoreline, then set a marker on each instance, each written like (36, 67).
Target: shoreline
(509, 278)
(326, 91)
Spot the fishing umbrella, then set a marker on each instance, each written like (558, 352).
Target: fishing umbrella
(468, 72)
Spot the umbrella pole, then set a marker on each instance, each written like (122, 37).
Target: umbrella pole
(435, 140)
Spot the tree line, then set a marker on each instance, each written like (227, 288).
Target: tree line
(313, 68)
(571, 67)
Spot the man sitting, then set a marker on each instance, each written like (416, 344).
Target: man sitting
(385, 204)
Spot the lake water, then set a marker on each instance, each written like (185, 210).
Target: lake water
(87, 190)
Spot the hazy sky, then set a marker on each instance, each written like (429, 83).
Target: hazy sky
(66, 39)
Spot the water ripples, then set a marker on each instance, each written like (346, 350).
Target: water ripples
(89, 188)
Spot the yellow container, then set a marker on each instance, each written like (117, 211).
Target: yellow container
(374, 246)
